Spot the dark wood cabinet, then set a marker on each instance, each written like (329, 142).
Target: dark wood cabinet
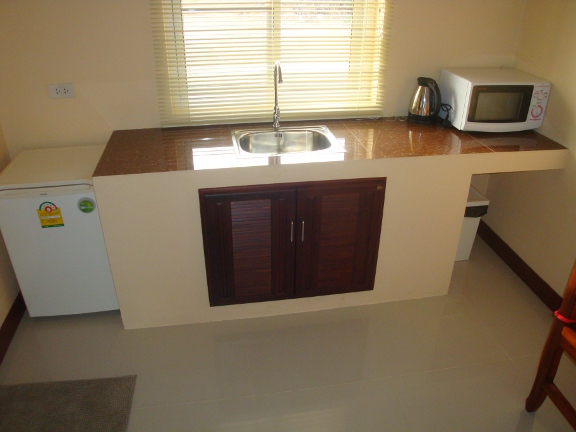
(272, 242)
(339, 223)
(247, 246)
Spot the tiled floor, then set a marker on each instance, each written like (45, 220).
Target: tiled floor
(461, 362)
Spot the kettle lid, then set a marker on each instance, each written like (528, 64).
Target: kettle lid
(424, 81)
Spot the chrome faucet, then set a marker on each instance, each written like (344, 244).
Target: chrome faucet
(277, 80)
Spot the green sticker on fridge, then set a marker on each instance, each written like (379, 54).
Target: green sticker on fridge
(86, 205)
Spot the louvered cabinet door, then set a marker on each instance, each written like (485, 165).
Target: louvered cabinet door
(248, 243)
(338, 236)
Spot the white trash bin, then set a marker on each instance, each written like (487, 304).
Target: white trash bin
(476, 207)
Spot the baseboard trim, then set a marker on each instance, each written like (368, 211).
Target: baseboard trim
(10, 325)
(538, 286)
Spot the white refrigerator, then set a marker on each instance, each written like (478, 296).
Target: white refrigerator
(50, 224)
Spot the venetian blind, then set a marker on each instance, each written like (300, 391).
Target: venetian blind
(215, 59)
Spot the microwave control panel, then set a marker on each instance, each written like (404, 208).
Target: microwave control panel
(538, 103)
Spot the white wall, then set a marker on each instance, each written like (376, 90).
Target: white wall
(105, 49)
(430, 35)
(535, 213)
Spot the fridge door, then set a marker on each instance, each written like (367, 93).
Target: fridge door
(56, 245)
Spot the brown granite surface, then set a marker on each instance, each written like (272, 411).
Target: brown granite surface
(194, 148)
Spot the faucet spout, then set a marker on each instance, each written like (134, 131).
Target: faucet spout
(277, 80)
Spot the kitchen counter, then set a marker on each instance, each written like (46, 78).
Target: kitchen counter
(147, 184)
(161, 150)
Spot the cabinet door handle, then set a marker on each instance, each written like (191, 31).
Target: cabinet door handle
(302, 229)
(291, 231)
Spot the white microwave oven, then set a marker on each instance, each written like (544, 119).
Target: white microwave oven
(494, 100)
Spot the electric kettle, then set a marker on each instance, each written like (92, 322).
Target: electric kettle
(426, 102)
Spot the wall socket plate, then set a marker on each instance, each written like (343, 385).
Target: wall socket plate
(61, 91)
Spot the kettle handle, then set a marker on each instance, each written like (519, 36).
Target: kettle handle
(437, 99)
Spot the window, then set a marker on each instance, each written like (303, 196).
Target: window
(215, 59)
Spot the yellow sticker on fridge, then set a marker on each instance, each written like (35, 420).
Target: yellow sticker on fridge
(50, 215)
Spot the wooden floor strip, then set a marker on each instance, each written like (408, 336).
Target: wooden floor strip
(538, 286)
(10, 325)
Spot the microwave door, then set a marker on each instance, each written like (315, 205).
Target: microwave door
(500, 103)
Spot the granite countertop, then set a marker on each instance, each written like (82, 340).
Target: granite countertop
(141, 151)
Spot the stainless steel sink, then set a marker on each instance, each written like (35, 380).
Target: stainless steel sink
(285, 140)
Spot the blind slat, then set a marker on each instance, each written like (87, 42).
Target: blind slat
(214, 59)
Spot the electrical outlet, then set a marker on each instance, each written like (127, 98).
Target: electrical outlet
(61, 91)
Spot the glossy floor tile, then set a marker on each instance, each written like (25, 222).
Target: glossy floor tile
(460, 362)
